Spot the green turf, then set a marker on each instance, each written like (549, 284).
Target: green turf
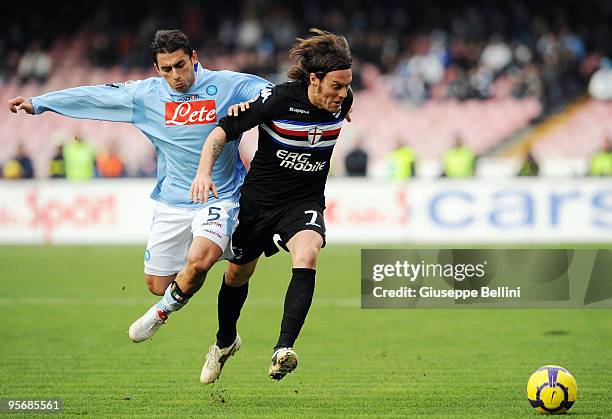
(65, 312)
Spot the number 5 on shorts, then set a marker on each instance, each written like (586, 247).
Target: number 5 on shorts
(213, 214)
(313, 219)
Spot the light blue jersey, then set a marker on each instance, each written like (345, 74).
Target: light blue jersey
(176, 123)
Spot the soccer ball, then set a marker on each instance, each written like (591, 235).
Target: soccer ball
(551, 389)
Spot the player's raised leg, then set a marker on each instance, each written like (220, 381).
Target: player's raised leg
(232, 295)
(169, 240)
(304, 247)
(211, 228)
(202, 255)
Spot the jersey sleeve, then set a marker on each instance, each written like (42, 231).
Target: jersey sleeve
(109, 102)
(260, 110)
(250, 86)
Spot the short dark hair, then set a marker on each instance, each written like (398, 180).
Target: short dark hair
(321, 53)
(167, 41)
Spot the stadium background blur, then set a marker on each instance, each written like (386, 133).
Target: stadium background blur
(507, 79)
(490, 75)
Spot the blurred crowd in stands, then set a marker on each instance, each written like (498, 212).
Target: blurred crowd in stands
(460, 161)
(78, 160)
(522, 60)
(463, 49)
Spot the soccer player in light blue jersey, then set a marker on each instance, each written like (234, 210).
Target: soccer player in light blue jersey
(176, 112)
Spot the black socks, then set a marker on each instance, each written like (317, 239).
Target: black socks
(229, 304)
(297, 303)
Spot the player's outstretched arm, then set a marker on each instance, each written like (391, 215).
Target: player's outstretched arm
(111, 102)
(202, 183)
(20, 103)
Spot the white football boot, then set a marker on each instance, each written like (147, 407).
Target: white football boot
(215, 360)
(146, 326)
(284, 361)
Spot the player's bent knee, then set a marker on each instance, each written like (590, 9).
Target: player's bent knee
(238, 275)
(201, 267)
(236, 279)
(201, 263)
(202, 256)
(306, 257)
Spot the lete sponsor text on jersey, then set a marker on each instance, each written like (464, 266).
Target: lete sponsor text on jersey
(191, 113)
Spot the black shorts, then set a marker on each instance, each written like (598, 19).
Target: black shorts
(258, 225)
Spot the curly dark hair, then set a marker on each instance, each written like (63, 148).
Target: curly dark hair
(320, 54)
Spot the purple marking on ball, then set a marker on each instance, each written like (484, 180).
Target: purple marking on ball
(552, 377)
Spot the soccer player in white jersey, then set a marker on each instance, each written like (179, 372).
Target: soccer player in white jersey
(176, 112)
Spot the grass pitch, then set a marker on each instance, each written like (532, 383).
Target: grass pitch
(66, 310)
